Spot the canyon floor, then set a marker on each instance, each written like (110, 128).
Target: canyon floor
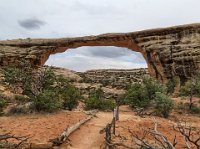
(43, 127)
(39, 127)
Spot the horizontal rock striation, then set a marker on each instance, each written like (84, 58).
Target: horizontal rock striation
(115, 78)
(171, 53)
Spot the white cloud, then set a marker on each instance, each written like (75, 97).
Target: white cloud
(80, 59)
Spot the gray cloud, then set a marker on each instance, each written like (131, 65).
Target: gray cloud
(110, 52)
(98, 51)
(86, 58)
(81, 62)
(31, 24)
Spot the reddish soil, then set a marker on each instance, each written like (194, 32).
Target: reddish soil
(185, 100)
(138, 124)
(88, 136)
(40, 127)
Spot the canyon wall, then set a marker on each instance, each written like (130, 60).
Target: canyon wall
(170, 53)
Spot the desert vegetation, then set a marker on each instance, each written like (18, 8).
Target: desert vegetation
(2, 104)
(40, 90)
(155, 98)
(98, 101)
(192, 89)
(184, 136)
(149, 93)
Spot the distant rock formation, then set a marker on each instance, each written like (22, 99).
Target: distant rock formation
(114, 78)
(170, 53)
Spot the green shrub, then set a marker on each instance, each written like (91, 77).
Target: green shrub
(141, 95)
(70, 97)
(47, 91)
(97, 101)
(21, 76)
(23, 105)
(195, 110)
(68, 93)
(170, 86)
(46, 79)
(184, 107)
(137, 96)
(12, 75)
(191, 89)
(21, 99)
(100, 104)
(152, 86)
(18, 110)
(97, 93)
(164, 104)
(187, 88)
(47, 101)
(2, 104)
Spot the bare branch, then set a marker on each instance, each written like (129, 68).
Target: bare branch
(5, 137)
(140, 141)
(161, 139)
(188, 135)
(113, 144)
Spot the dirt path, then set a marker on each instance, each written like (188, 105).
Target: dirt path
(88, 137)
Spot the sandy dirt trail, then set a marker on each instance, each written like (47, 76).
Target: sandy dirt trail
(88, 136)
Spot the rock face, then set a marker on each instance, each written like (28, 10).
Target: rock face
(113, 82)
(114, 78)
(171, 53)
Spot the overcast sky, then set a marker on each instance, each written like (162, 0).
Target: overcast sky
(70, 18)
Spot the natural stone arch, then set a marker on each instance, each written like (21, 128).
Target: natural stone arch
(170, 53)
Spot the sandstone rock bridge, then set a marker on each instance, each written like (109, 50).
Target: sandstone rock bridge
(170, 53)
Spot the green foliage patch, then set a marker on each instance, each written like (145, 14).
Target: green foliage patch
(46, 101)
(43, 88)
(137, 96)
(2, 105)
(191, 88)
(97, 100)
(149, 93)
(164, 104)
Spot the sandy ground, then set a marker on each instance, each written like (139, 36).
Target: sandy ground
(137, 124)
(39, 127)
(43, 127)
(88, 136)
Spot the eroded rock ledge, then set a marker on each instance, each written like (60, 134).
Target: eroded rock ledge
(171, 53)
